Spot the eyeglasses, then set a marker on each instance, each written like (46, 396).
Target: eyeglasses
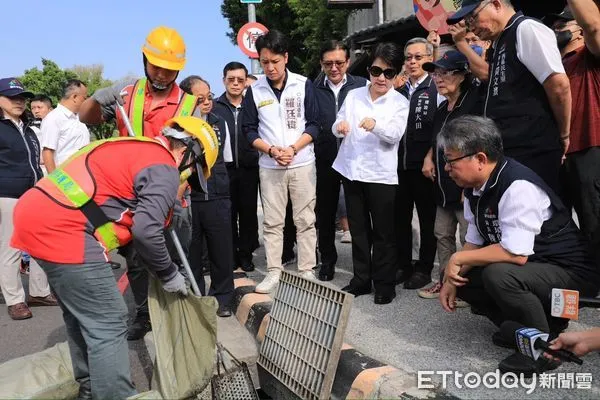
(202, 99)
(443, 73)
(469, 19)
(376, 71)
(330, 64)
(417, 57)
(451, 162)
(233, 79)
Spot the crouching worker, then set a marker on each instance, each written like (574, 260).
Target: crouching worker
(107, 195)
(521, 241)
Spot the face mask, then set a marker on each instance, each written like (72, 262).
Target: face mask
(563, 38)
(477, 49)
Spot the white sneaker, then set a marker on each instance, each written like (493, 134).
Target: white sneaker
(346, 237)
(310, 275)
(269, 283)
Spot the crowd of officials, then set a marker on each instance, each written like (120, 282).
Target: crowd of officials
(494, 139)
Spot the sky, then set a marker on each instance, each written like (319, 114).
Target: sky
(111, 33)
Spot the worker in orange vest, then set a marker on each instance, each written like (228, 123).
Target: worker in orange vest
(101, 199)
(149, 103)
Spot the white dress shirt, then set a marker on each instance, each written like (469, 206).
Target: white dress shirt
(522, 210)
(64, 133)
(537, 50)
(371, 156)
(336, 88)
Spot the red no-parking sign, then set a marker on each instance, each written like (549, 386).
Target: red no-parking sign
(247, 36)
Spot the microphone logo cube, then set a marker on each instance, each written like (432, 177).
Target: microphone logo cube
(565, 304)
(526, 338)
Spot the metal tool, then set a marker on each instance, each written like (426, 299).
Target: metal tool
(172, 233)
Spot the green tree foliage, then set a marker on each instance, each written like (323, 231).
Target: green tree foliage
(48, 81)
(307, 23)
(51, 78)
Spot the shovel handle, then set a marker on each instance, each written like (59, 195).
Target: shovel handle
(184, 261)
(125, 120)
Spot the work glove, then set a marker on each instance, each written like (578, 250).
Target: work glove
(176, 284)
(108, 96)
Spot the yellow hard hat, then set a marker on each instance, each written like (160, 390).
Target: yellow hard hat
(200, 130)
(165, 48)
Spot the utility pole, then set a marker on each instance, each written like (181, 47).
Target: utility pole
(254, 66)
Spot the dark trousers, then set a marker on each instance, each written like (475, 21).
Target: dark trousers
(582, 191)
(137, 271)
(504, 291)
(414, 189)
(289, 234)
(545, 165)
(95, 315)
(243, 189)
(328, 193)
(212, 219)
(370, 208)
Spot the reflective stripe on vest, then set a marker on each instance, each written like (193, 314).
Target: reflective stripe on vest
(74, 194)
(79, 198)
(186, 106)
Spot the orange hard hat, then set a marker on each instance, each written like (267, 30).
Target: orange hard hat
(165, 48)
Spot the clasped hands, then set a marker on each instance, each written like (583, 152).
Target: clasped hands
(368, 124)
(283, 155)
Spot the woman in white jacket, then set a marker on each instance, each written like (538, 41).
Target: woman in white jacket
(372, 121)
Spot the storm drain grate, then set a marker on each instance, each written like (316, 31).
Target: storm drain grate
(304, 337)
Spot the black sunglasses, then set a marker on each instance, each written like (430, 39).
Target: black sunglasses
(375, 71)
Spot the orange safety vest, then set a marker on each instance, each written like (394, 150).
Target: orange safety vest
(72, 186)
(134, 104)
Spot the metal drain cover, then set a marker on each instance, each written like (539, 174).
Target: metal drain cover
(304, 337)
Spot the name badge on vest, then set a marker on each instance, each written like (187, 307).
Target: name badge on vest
(265, 103)
(422, 109)
(492, 226)
(218, 133)
(293, 110)
(499, 70)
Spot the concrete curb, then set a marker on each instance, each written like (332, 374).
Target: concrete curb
(357, 377)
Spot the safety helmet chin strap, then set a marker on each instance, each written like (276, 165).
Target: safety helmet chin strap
(186, 156)
(154, 85)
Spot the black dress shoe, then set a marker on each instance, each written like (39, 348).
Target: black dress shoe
(139, 327)
(402, 275)
(326, 272)
(247, 266)
(417, 281)
(384, 299)
(224, 311)
(500, 341)
(356, 290)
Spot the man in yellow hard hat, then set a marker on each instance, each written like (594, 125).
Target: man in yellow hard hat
(149, 103)
(99, 200)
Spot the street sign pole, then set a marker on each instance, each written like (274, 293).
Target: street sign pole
(254, 65)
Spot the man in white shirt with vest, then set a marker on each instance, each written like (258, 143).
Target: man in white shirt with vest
(62, 132)
(280, 120)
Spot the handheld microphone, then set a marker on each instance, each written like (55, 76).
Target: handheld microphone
(532, 343)
(565, 303)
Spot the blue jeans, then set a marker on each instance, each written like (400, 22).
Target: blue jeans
(96, 318)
